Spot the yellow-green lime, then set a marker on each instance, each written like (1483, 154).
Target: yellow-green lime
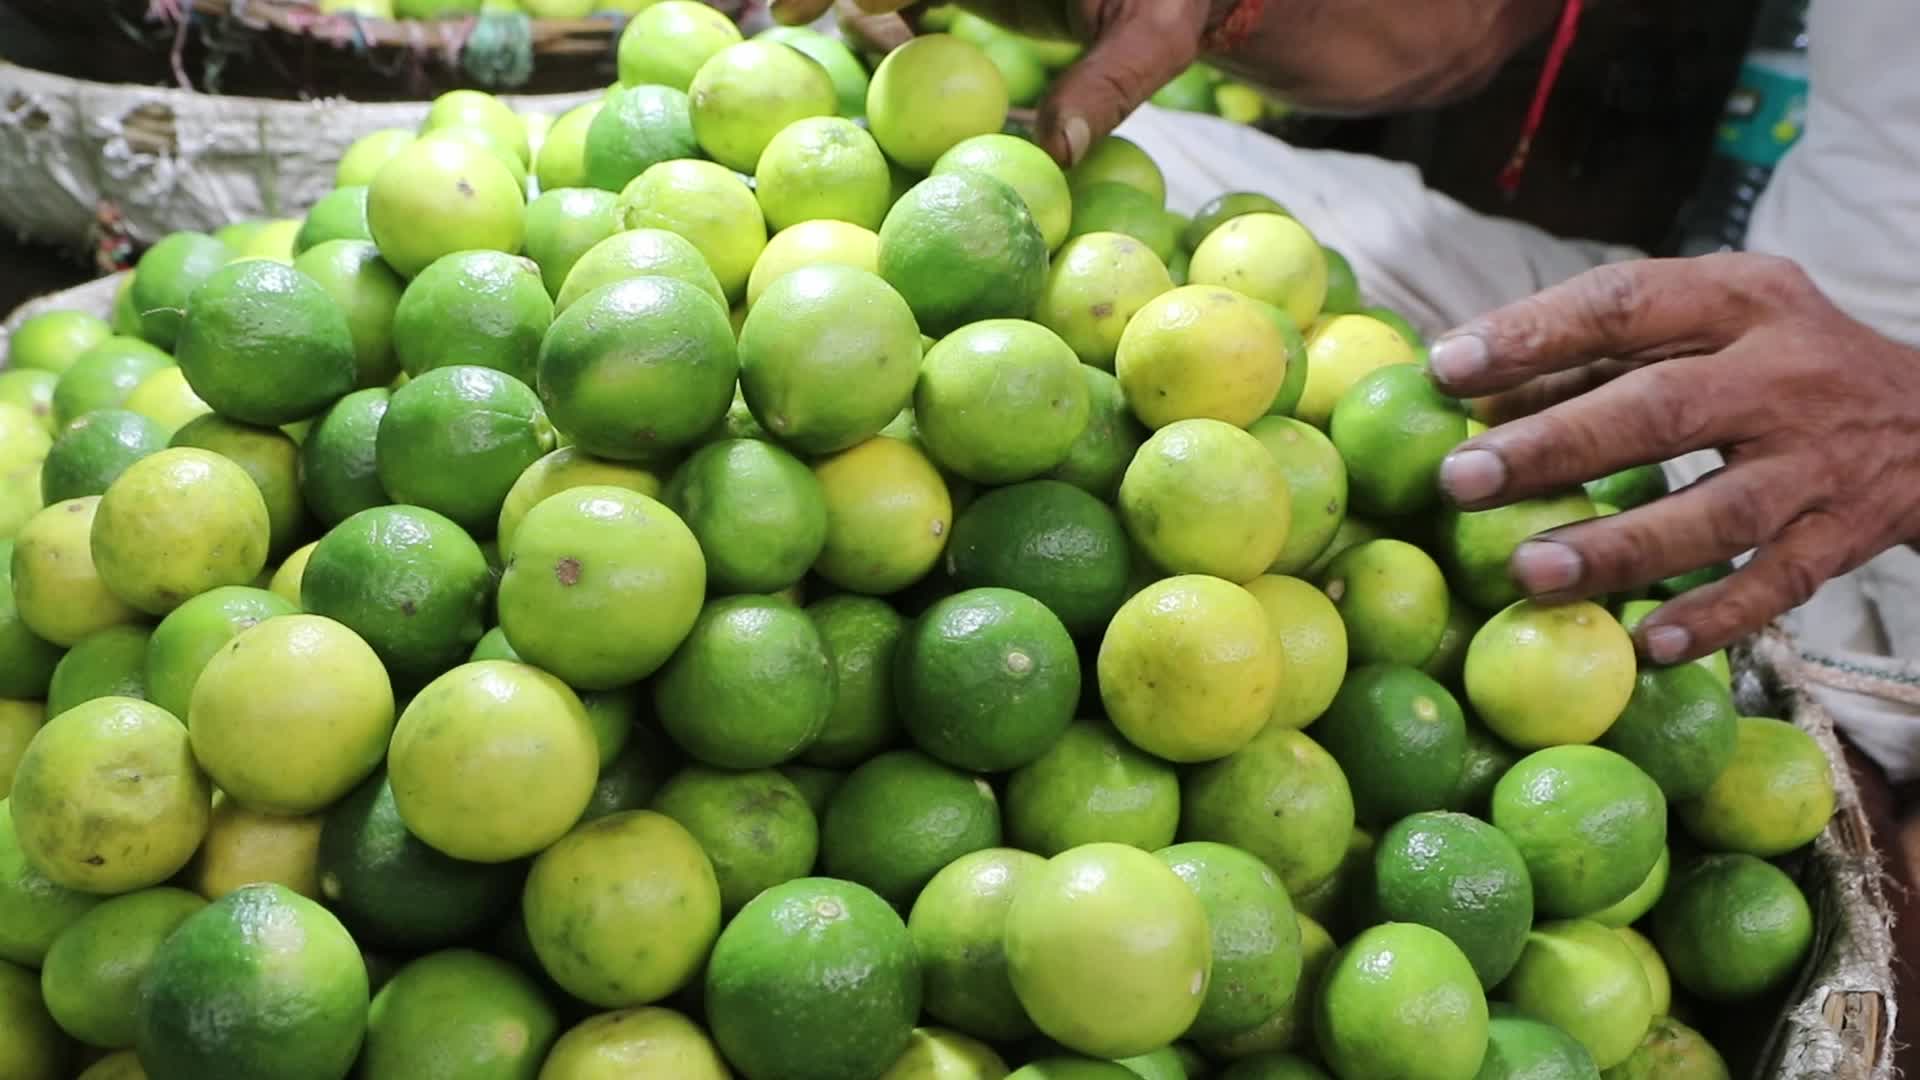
(30, 390)
(57, 592)
(36, 1048)
(1393, 428)
(637, 128)
(91, 978)
(442, 195)
(192, 633)
(1098, 459)
(938, 1054)
(1269, 257)
(367, 153)
(667, 42)
(648, 1039)
(340, 214)
(1588, 822)
(251, 707)
(1201, 351)
(1282, 798)
(1189, 668)
(1072, 1068)
(708, 205)
(492, 761)
(958, 926)
(888, 516)
(1641, 900)
(1020, 66)
(263, 982)
(272, 460)
(750, 687)
(1776, 794)
(165, 398)
(849, 75)
(475, 109)
(1317, 487)
(1633, 612)
(1659, 982)
(1680, 727)
(1313, 646)
(36, 911)
(563, 470)
(367, 292)
(285, 582)
(1096, 285)
(1522, 1048)
(1288, 1028)
(900, 817)
(339, 472)
(757, 511)
(962, 247)
(1401, 1000)
(1204, 497)
(828, 356)
(164, 277)
(175, 524)
(119, 1065)
(20, 721)
(1584, 979)
(103, 376)
(561, 162)
(1000, 401)
(457, 1011)
(108, 797)
(1256, 938)
(1092, 786)
(1024, 167)
(822, 168)
(754, 826)
(819, 242)
(1107, 207)
(1340, 351)
(932, 94)
(1478, 545)
(1392, 599)
(1548, 675)
(637, 253)
(862, 637)
(454, 440)
(53, 340)
(485, 308)
(1119, 160)
(245, 846)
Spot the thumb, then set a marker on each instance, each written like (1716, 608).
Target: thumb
(1131, 59)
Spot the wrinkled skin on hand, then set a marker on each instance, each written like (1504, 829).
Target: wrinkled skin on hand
(1817, 415)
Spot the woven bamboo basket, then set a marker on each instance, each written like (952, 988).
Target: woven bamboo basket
(1836, 1022)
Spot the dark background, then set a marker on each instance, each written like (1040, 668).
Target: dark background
(1621, 150)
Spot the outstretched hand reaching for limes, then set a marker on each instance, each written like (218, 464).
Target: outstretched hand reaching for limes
(1640, 362)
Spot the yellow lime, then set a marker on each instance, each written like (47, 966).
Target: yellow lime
(1201, 351)
(1541, 675)
(1340, 351)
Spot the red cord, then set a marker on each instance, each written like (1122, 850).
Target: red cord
(1235, 29)
(1543, 91)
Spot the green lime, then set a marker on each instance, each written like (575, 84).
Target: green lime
(822, 168)
(667, 42)
(604, 583)
(931, 95)
(862, 636)
(53, 340)
(175, 524)
(1343, 288)
(900, 817)
(644, 1041)
(828, 355)
(1400, 738)
(1223, 208)
(638, 369)
(91, 977)
(1313, 647)
(1487, 760)
(1109, 950)
(1478, 545)
(1112, 208)
(756, 510)
(754, 826)
(888, 516)
(263, 982)
(1680, 727)
(1633, 612)
(1522, 1048)
(107, 663)
(94, 450)
(492, 761)
(1588, 822)
(339, 472)
(340, 214)
(1072, 1068)
(1733, 927)
(1402, 1000)
(1098, 459)
(272, 460)
(1353, 532)
(1293, 1024)
(816, 785)
(813, 980)
(750, 687)
(1393, 428)
(1256, 938)
(1020, 67)
(958, 926)
(563, 224)
(367, 153)
(1584, 979)
(1400, 325)
(251, 707)
(1629, 488)
(367, 291)
(484, 308)
(1189, 669)
(1189, 91)
(33, 910)
(1092, 786)
(1024, 167)
(1448, 660)
(1341, 350)
(1049, 540)
(163, 279)
(987, 679)
(1393, 600)
(1775, 796)
(1204, 497)
(1266, 256)
(407, 580)
(103, 377)
(457, 1011)
(441, 195)
(1099, 281)
(638, 127)
(1282, 798)
(1273, 1066)
(454, 439)
(638, 253)
(1317, 486)
(119, 1065)
(265, 344)
(1000, 401)
(392, 889)
(1672, 1051)
(1201, 351)
(709, 206)
(1462, 877)
(1121, 161)
(1544, 675)
(962, 247)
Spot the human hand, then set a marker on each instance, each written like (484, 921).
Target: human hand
(1817, 415)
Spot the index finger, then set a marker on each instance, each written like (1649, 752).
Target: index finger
(1646, 310)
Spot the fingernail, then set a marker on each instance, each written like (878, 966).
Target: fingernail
(1471, 476)
(1543, 566)
(1079, 137)
(1457, 358)
(1667, 644)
